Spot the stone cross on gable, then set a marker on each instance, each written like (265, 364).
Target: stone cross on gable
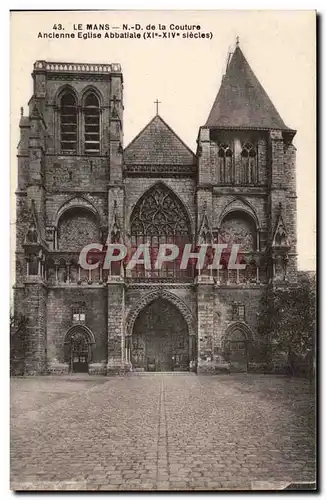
(157, 102)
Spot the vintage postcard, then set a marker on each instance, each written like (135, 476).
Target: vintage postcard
(163, 309)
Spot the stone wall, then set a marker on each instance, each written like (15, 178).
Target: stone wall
(59, 319)
(215, 305)
(115, 322)
(76, 173)
(35, 308)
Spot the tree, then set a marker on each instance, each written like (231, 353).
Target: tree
(18, 323)
(287, 323)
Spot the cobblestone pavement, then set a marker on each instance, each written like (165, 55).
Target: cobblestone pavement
(160, 432)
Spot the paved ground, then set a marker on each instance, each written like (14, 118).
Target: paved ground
(160, 432)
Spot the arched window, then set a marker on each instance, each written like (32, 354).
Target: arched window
(92, 124)
(248, 164)
(159, 217)
(225, 164)
(68, 123)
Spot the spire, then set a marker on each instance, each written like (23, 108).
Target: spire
(241, 101)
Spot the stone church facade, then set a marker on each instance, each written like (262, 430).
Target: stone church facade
(78, 184)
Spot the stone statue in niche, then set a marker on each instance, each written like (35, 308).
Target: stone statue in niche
(31, 236)
(280, 266)
(104, 234)
(115, 233)
(114, 109)
(204, 236)
(280, 237)
(49, 233)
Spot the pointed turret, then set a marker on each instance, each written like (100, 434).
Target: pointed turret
(242, 101)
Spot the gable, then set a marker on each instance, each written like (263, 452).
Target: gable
(158, 144)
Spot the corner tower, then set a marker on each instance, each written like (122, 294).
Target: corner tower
(247, 192)
(247, 150)
(69, 183)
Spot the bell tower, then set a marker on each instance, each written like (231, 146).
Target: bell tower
(246, 191)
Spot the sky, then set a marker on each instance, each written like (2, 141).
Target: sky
(185, 75)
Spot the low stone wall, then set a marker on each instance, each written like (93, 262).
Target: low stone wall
(97, 369)
(213, 366)
(58, 369)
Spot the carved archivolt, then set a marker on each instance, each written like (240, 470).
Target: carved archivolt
(239, 205)
(76, 202)
(235, 327)
(80, 328)
(161, 294)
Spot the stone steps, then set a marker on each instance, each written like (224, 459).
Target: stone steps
(145, 374)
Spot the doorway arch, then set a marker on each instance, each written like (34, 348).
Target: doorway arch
(236, 346)
(160, 338)
(78, 345)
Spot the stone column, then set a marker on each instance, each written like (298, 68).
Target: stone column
(205, 318)
(35, 348)
(117, 364)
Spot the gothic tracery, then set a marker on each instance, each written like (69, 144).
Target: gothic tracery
(159, 214)
(159, 217)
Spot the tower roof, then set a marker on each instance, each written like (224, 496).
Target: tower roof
(158, 144)
(242, 101)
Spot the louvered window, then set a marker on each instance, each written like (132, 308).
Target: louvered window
(68, 123)
(92, 124)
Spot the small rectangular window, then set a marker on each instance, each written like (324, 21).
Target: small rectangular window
(241, 313)
(78, 314)
(235, 312)
(238, 312)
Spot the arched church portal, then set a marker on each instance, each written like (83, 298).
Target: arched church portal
(236, 344)
(78, 348)
(160, 339)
